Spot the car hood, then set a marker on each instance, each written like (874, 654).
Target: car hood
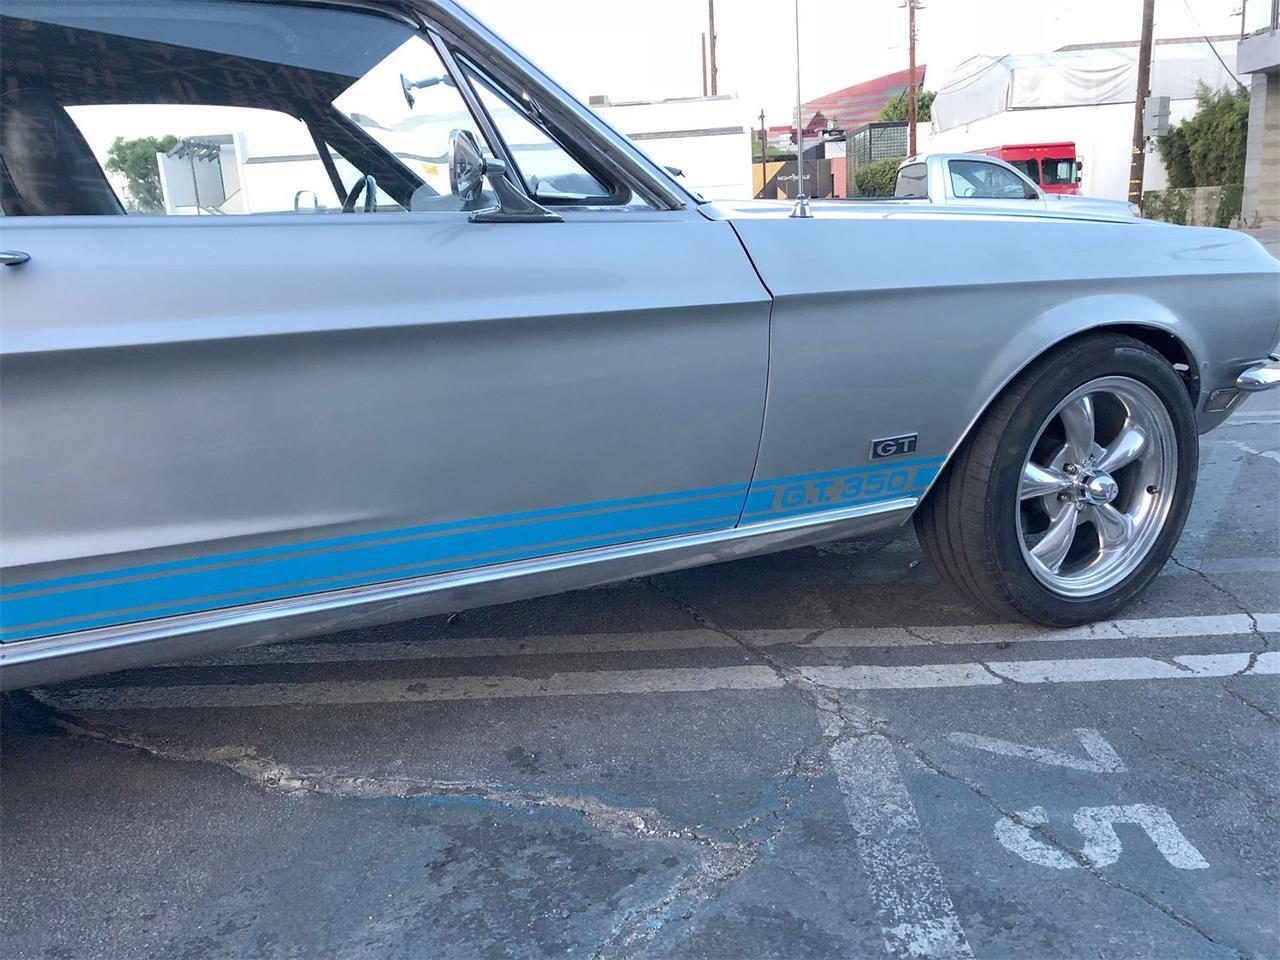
(1119, 208)
(890, 209)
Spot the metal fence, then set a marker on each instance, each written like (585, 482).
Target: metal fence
(876, 141)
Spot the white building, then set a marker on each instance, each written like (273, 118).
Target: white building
(1085, 95)
(707, 138)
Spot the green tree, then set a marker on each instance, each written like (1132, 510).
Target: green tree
(135, 160)
(1207, 150)
(1177, 158)
(877, 179)
(896, 109)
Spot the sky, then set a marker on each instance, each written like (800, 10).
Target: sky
(650, 50)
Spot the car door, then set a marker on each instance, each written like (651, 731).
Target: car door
(990, 184)
(236, 392)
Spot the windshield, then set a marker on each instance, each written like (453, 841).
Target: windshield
(1058, 171)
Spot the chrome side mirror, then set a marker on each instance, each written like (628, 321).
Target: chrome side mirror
(466, 166)
(469, 168)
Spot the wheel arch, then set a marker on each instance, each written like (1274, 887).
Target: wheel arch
(1144, 320)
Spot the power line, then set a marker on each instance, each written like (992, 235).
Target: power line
(1205, 36)
(969, 81)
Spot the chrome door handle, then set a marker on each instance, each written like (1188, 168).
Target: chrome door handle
(12, 258)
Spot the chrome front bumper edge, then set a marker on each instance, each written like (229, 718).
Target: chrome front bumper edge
(1260, 376)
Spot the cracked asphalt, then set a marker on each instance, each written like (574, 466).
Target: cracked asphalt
(823, 753)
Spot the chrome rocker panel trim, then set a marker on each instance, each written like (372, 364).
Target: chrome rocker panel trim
(51, 659)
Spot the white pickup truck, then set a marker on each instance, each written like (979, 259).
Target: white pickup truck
(961, 178)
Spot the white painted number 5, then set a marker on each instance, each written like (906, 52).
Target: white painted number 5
(1102, 845)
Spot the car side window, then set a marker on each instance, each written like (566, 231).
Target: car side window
(189, 107)
(1030, 167)
(977, 180)
(912, 182)
(551, 174)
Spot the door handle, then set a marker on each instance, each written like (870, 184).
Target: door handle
(13, 258)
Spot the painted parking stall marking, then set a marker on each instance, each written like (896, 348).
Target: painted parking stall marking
(670, 680)
(1102, 845)
(915, 910)
(1101, 756)
(1151, 628)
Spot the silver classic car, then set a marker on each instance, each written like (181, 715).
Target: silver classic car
(326, 314)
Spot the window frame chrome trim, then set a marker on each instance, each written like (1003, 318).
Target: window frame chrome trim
(621, 192)
(496, 58)
(472, 100)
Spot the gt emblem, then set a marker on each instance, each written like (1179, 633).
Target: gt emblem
(894, 446)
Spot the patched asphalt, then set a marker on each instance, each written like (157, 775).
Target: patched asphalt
(795, 756)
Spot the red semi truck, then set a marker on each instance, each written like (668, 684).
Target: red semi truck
(1052, 165)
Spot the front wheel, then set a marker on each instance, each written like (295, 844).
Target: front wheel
(1070, 494)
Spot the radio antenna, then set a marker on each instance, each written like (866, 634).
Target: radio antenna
(801, 209)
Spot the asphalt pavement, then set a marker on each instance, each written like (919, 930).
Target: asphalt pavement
(823, 753)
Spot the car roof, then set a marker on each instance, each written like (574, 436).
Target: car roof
(922, 157)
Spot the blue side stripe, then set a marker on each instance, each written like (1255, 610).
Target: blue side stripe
(258, 596)
(223, 580)
(364, 538)
(357, 560)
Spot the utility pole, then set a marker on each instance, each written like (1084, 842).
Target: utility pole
(1138, 164)
(711, 11)
(911, 93)
(764, 155)
(704, 64)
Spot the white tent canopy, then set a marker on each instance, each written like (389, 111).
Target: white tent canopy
(984, 86)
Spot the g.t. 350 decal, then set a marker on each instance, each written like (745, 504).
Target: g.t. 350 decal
(843, 488)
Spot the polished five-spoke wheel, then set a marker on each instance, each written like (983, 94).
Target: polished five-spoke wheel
(1071, 492)
(1096, 486)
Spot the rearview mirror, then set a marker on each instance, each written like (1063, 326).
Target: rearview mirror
(468, 169)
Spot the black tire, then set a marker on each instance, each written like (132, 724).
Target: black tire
(968, 523)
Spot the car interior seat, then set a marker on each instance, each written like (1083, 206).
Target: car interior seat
(46, 165)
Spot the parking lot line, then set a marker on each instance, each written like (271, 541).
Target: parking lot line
(917, 916)
(328, 651)
(1151, 628)
(1253, 420)
(672, 680)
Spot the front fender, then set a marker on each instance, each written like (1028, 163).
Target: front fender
(908, 323)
